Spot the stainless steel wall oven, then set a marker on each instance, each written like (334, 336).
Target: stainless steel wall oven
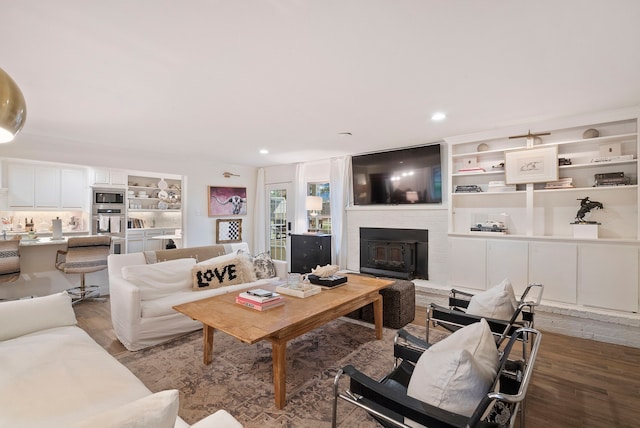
(108, 215)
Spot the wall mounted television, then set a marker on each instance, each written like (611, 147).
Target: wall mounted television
(404, 176)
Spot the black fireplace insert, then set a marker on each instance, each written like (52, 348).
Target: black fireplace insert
(394, 253)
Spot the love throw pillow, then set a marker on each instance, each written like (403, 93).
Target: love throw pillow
(229, 271)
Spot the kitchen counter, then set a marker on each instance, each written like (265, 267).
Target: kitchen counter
(43, 241)
(38, 273)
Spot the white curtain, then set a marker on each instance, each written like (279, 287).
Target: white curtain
(300, 199)
(340, 185)
(260, 210)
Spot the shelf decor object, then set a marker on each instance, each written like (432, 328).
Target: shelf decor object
(228, 230)
(531, 165)
(301, 290)
(586, 228)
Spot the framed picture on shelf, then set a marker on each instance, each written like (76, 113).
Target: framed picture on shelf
(531, 165)
(227, 201)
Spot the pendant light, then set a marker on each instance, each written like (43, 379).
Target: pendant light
(13, 109)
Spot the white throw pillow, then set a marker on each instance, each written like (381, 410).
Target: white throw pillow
(20, 317)
(158, 410)
(160, 279)
(457, 372)
(497, 302)
(220, 419)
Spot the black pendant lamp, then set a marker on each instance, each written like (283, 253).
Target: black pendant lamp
(13, 109)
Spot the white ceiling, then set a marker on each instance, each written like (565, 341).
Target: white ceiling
(223, 79)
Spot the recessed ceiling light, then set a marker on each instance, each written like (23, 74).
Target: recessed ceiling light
(264, 151)
(438, 116)
(345, 134)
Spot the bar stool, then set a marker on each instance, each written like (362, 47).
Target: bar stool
(9, 260)
(84, 255)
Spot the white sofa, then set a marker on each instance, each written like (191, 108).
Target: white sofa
(54, 375)
(142, 309)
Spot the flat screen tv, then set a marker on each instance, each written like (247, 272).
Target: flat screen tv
(405, 176)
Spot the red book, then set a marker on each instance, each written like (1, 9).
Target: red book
(259, 306)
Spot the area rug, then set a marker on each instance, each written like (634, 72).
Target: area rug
(240, 379)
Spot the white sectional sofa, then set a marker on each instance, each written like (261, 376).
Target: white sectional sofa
(144, 288)
(54, 375)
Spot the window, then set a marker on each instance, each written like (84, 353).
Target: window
(319, 220)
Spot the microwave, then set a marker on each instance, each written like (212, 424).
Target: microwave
(108, 197)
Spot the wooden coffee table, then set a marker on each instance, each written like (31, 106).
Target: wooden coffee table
(283, 323)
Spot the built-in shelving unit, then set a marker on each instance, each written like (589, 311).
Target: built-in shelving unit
(154, 208)
(540, 244)
(532, 209)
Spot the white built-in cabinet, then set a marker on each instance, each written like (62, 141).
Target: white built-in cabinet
(143, 240)
(540, 245)
(33, 186)
(601, 275)
(109, 177)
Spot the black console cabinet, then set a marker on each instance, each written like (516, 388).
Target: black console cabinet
(309, 251)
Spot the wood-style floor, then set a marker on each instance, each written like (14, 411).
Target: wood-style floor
(576, 382)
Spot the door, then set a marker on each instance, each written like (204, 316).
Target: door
(279, 219)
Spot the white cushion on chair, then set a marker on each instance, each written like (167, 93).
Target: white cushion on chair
(457, 372)
(497, 302)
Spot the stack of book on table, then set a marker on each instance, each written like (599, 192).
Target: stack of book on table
(259, 299)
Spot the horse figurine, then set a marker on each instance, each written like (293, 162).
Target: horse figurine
(586, 206)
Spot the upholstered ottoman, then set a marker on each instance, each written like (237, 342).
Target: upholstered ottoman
(398, 305)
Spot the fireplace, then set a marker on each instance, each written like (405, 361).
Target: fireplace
(395, 253)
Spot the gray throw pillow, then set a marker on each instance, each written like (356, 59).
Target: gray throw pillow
(262, 264)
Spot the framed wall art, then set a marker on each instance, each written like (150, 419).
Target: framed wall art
(227, 201)
(228, 230)
(535, 165)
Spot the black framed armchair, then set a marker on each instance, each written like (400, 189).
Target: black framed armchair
(503, 323)
(391, 402)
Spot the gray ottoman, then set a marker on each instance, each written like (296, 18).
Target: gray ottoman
(398, 305)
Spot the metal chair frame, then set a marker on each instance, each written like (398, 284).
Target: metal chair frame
(386, 400)
(455, 317)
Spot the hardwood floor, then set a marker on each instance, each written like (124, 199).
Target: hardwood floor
(576, 382)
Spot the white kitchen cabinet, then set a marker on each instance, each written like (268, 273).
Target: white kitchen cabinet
(109, 177)
(608, 276)
(144, 239)
(73, 189)
(21, 182)
(150, 243)
(47, 187)
(135, 241)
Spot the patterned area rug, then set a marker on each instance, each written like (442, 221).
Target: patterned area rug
(240, 378)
